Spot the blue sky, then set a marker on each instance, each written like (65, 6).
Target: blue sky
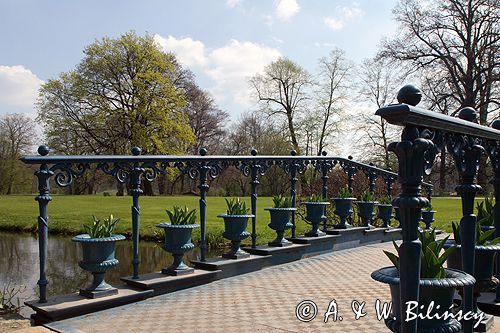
(221, 41)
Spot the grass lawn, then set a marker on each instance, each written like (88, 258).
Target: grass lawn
(68, 213)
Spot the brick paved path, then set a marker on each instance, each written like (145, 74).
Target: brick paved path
(263, 301)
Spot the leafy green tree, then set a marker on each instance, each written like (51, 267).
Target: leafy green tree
(125, 92)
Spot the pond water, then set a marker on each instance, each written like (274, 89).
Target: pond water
(19, 264)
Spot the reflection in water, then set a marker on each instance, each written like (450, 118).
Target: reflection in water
(19, 264)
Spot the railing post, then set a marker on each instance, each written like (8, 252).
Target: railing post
(494, 154)
(43, 198)
(429, 194)
(135, 183)
(389, 181)
(466, 152)
(412, 160)
(203, 170)
(293, 188)
(326, 167)
(351, 172)
(255, 167)
(372, 178)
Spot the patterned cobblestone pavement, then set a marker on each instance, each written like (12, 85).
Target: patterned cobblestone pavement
(263, 301)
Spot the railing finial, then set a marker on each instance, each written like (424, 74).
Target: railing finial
(496, 124)
(293, 152)
(136, 151)
(203, 151)
(468, 114)
(43, 150)
(254, 152)
(324, 153)
(410, 95)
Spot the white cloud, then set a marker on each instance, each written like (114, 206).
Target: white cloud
(233, 3)
(344, 16)
(232, 65)
(229, 66)
(286, 9)
(18, 86)
(189, 52)
(268, 20)
(333, 23)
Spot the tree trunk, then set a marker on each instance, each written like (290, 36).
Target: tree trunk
(162, 183)
(293, 137)
(482, 175)
(119, 189)
(148, 188)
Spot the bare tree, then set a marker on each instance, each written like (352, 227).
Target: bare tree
(378, 84)
(458, 38)
(331, 89)
(282, 90)
(206, 119)
(17, 137)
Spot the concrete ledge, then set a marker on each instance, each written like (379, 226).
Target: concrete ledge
(160, 283)
(231, 267)
(486, 302)
(319, 245)
(280, 255)
(375, 235)
(72, 305)
(346, 232)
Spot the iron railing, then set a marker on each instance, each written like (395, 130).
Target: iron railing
(136, 168)
(424, 134)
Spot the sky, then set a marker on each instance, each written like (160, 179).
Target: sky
(223, 42)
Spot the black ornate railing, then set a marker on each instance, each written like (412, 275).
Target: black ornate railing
(424, 134)
(137, 168)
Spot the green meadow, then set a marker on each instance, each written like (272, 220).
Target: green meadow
(68, 213)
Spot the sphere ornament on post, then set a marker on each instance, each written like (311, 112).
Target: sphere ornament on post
(409, 94)
(43, 150)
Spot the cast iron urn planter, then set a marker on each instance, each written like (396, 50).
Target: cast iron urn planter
(385, 214)
(98, 257)
(178, 241)
(235, 230)
(483, 267)
(343, 208)
(366, 212)
(428, 218)
(280, 221)
(315, 213)
(435, 298)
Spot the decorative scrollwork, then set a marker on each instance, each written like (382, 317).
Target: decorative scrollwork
(65, 173)
(493, 150)
(119, 170)
(324, 166)
(153, 169)
(260, 167)
(466, 151)
(194, 169)
(297, 166)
